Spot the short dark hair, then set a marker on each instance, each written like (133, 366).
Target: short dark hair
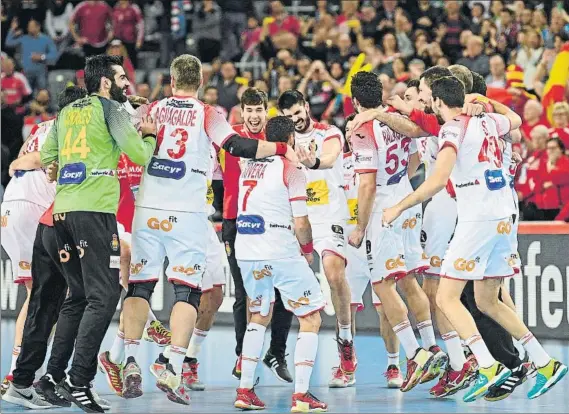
(279, 129)
(559, 142)
(207, 88)
(434, 73)
(367, 89)
(510, 12)
(478, 84)
(69, 95)
(100, 66)
(290, 98)
(348, 119)
(413, 83)
(254, 97)
(450, 90)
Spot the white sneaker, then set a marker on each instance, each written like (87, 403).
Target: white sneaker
(26, 397)
(340, 379)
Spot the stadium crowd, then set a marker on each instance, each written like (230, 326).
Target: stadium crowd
(519, 47)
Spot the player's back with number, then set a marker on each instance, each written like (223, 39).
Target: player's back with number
(265, 226)
(181, 162)
(482, 189)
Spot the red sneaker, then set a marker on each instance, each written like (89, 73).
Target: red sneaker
(248, 400)
(190, 377)
(453, 381)
(394, 377)
(237, 369)
(158, 334)
(348, 361)
(340, 379)
(112, 371)
(6, 384)
(415, 369)
(307, 403)
(473, 362)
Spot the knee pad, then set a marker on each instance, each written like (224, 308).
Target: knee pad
(188, 294)
(142, 290)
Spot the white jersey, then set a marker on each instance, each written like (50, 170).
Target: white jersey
(32, 186)
(351, 184)
(510, 168)
(272, 191)
(177, 175)
(212, 174)
(325, 188)
(482, 190)
(379, 149)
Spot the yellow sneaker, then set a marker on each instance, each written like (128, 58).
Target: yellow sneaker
(487, 377)
(547, 377)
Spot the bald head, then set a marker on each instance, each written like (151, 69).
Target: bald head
(532, 111)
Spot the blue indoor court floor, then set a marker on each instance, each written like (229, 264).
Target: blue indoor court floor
(369, 395)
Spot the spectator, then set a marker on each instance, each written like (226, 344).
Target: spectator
(403, 28)
(426, 16)
(525, 181)
(252, 35)
(206, 28)
(80, 79)
(497, 76)
(552, 182)
(179, 23)
(57, 20)
(162, 89)
(558, 26)
(285, 83)
(143, 89)
(369, 21)
(442, 61)
(210, 97)
(349, 17)
(343, 51)
(509, 27)
(417, 67)
(235, 115)
(233, 24)
(477, 17)
(227, 89)
(15, 92)
(318, 87)
(39, 110)
(91, 26)
(533, 116)
(387, 15)
(451, 24)
(475, 60)
(400, 70)
(539, 21)
(560, 123)
(529, 54)
(525, 17)
(389, 52)
(128, 26)
(37, 51)
(282, 28)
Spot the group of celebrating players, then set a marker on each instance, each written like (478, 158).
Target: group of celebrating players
(303, 188)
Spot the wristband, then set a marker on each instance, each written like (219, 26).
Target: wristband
(308, 248)
(149, 136)
(281, 148)
(485, 102)
(316, 164)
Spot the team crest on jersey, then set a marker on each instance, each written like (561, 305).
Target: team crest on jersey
(115, 243)
(24, 265)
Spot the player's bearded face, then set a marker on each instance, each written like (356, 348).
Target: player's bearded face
(255, 117)
(299, 115)
(117, 93)
(425, 96)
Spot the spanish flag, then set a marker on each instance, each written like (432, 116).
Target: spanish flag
(554, 90)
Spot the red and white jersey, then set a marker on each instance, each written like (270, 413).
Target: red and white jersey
(379, 149)
(510, 168)
(325, 188)
(481, 186)
(32, 186)
(177, 175)
(214, 173)
(351, 184)
(272, 191)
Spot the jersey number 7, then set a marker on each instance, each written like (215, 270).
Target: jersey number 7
(251, 184)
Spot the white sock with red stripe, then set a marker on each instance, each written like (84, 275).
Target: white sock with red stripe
(454, 349)
(252, 348)
(131, 348)
(304, 356)
(535, 351)
(427, 333)
(15, 353)
(406, 336)
(116, 353)
(345, 332)
(151, 316)
(393, 359)
(196, 341)
(480, 351)
(177, 355)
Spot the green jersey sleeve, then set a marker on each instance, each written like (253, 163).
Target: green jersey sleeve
(49, 150)
(138, 149)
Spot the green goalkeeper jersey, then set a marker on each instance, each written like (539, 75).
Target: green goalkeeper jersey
(87, 139)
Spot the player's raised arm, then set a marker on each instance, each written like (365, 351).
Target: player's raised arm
(125, 134)
(396, 122)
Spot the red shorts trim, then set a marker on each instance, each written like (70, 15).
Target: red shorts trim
(431, 274)
(311, 312)
(395, 275)
(335, 254)
(360, 306)
(498, 277)
(22, 279)
(419, 270)
(142, 281)
(211, 288)
(477, 280)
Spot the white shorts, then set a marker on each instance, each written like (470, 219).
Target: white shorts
(479, 250)
(515, 261)
(19, 225)
(178, 235)
(415, 258)
(358, 274)
(438, 227)
(214, 274)
(299, 288)
(330, 238)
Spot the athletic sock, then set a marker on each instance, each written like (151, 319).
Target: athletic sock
(393, 359)
(406, 336)
(177, 355)
(480, 351)
(196, 342)
(427, 334)
(345, 332)
(151, 316)
(252, 348)
(116, 353)
(166, 352)
(131, 348)
(454, 349)
(535, 351)
(15, 354)
(304, 356)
